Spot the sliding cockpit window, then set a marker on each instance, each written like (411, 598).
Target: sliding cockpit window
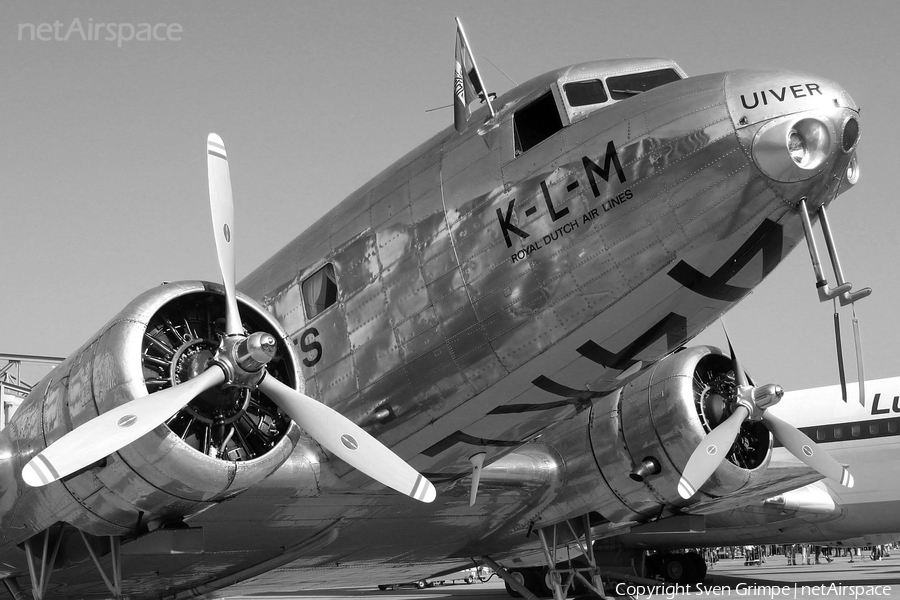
(536, 122)
(319, 291)
(626, 86)
(585, 93)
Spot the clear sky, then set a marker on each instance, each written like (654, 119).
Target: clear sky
(102, 143)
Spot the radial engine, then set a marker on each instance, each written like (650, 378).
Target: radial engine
(223, 442)
(643, 436)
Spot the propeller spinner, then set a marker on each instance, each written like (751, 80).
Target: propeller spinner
(239, 361)
(752, 404)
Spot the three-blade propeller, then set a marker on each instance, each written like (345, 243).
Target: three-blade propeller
(121, 426)
(752, 404)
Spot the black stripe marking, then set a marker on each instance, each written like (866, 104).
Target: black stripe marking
(464, 438)
(214, 153)
(768, 239)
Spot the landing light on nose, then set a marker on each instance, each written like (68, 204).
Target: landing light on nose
(853, 171)
(808, 143)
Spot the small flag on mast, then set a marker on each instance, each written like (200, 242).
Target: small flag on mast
(466, 82)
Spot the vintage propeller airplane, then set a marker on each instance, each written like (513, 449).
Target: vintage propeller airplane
(480, 328)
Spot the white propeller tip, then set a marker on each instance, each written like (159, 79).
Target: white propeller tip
(685, 489)
(39, 472)
(847, 479)
(215, 146)
(423, 490)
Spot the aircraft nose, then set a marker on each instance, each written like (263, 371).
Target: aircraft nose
(797, 127)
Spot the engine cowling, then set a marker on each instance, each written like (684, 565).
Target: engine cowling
(643, 437)
(222, 443)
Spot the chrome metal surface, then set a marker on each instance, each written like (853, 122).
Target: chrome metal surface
(517, 305)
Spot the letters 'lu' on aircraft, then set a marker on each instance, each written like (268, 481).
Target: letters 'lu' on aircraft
(462, 356)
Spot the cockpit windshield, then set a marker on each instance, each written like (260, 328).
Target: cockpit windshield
(626, 86)
(585, 93)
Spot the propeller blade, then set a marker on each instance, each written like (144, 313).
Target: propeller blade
(710, 453)
(221, 205)
(739, 375)
(798, 444)
(349, 442)
(113, 430)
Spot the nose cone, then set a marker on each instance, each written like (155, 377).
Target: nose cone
(798, 128)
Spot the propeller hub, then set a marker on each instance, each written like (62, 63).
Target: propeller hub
(767, 395)
(254, 352)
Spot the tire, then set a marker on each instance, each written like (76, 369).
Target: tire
(518, 576)
(421, 585)
(679, 569)
(700, 567)
(470, 580)
(383, 587)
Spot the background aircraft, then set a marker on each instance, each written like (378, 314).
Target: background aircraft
(308, 548)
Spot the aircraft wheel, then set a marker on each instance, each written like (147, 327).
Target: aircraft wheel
(518, 576)
(383, 587)
(420, 585)
(653, 565)
(470, 580)
(699, 566)
(679, 569)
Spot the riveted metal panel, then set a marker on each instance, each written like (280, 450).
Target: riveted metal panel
(310, 245)
(337, 381)
(287, 307)
(419, 333)
(356, 265)
(404, 289)
(441, 264)
(389, 198)
(680, 106)
(463, 153)
(424, 181)
(396, 238)
(81, 403)
(377, 358)
(346, 228)
(448, 294)
(546, 155)
(365, 314)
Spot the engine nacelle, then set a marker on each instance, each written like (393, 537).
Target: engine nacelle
(223, 442)
(643, 437)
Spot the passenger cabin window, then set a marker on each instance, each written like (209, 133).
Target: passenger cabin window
(626, 86)
(585, 93)
(319, 291)
(536, 122)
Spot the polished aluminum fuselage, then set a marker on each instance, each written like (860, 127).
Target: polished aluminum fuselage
(487, 298)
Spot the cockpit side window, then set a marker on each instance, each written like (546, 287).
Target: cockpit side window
(585, 93)
(536, 122)
(626, 86)
(319, 291)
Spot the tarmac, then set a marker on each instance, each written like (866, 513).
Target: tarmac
(773, 580)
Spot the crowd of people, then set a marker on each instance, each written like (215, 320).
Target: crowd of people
(797, 554)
